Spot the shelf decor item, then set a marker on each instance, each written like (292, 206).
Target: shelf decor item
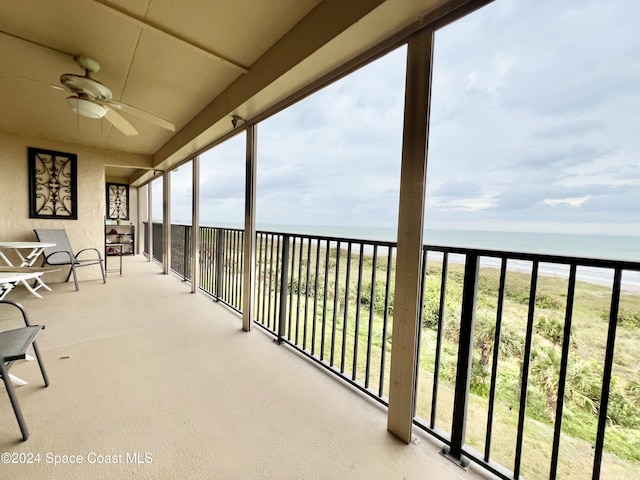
(119, 240)
(53, 184)
(117, 201)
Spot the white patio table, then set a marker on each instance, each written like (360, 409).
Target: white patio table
(8, 280)
(33, 251)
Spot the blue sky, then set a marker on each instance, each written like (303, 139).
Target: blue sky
(534, 127)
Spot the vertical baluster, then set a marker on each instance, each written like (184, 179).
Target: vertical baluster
(241, 271)
(346, 309)
(284, 278)
(212, 267)
(300, 286)
(258, 276)
(496, 356)
(231, 270)
(306, 295)
(220, 241)
(606, 378)
(224, 264)
(564, 363)
(290, 285)
(374, 267)
(525, 369)
(423, 282)
(203, 258)
(385, 322)
(276, 296)
(270, 283)
(315, 299)
(266, 272)
(230, 263)
(233, 254)
(357, 321)
(186, 260)
(336, 291)
(465, 357)
(324, 299)
(441, 317)
(205, 253)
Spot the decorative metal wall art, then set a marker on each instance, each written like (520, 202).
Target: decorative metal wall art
(117, 201)
(53, 184)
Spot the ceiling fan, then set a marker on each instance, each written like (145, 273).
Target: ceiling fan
(93, 99)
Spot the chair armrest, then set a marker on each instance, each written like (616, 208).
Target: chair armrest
(19, 307)
(60, 251)
(88, 249)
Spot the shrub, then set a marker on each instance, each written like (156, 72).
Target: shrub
(621, 412)
(628, 319)
(633, 392)
(431, 307)
(551, 329)
(548, 302)
(479, 378)
(379, 296)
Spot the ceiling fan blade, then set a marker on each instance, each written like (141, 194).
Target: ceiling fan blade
(57, 87)
(119, 122)
(136, 112)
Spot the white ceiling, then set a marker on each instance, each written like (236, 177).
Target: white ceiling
(191, 62)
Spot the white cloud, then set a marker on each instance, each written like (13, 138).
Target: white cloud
(573, 202)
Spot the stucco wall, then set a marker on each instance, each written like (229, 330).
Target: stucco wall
(87, 230)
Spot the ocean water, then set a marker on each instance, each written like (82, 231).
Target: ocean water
(609, 247)
(604, 247)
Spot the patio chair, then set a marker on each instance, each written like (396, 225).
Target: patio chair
(62, 254)
(13, 346)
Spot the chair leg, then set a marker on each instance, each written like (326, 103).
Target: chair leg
(14, 401)
(39, 358)
(75, 277)
(104, 277)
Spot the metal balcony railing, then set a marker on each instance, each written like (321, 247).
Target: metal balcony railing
(331, 299)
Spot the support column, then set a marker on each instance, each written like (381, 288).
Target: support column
(166, 223)
(406, 317)
(195, 224)
(150, 220)
(248, 285)
(138, 224)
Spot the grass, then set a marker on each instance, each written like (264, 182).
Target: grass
(368, 308)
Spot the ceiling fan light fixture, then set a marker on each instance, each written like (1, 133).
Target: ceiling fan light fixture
(86, 108)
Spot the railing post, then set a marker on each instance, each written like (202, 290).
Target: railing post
(465, 357)
(145, 228)
(284, 279)
(194, 245)
(219, 261)
(185, 254)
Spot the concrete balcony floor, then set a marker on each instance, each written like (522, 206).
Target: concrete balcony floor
(142, 366)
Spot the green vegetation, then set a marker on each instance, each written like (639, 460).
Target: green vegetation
(349, 321)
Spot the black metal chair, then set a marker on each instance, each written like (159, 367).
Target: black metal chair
(62, 254)
(13, 346)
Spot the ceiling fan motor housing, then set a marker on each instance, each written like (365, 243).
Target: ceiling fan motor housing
(86, 86)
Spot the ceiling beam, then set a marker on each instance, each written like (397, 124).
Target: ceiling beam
(146, 25)
(322, 25)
